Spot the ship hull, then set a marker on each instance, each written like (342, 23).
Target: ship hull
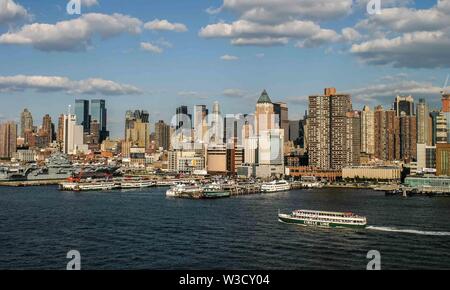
(303, 222)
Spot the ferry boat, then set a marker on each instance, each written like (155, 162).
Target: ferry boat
(129, 184)
(92, 186)
(275, 186)
(185, 190)
(324, 219)
(214, 190)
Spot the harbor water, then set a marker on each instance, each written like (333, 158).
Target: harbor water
(142, 229)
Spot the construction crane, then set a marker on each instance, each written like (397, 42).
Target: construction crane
(444, 89)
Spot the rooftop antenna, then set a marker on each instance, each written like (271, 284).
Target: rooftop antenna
(69, 109)
(444, 89)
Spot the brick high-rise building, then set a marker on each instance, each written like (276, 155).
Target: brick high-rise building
(367, 131)
(8, 139)
(408, 138)
(353, 137)
(387, 130)
(327, 130)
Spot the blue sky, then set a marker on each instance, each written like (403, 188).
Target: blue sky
(195, 55)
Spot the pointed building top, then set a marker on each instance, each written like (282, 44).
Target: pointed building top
(264, 98)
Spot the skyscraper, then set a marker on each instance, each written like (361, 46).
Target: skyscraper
(294, 131)
(99, 113)
(353, 137)
(137, 128)
(82, 113)
(441, 128)
(73, 134)
(404, 104)
(408, 137)
(60, 133)
(265, 114)
(216, 123)
(8, 139)
(200, 123)
(162, 135)
(47, 129)
(26, 122)
(327, 130)
(367, 131)
(387, 134)
(281, 113)
(423, 123)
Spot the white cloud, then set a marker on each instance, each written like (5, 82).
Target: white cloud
(386, 91)
(406, 37)
(271, 11)
(192, 94)
(415, 50)
(260, 55)
(227, 57)
(64, 84)
(165, 26)
(72, 35)
(150, 47)
(12, 12)
(89, 3)
(235, 93)
(244, 32)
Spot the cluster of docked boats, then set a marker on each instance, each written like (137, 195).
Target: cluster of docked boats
(96, 185)
(210, 191)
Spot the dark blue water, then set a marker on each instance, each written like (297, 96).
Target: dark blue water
(145, 230)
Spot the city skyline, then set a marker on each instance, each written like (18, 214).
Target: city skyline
(151, 52)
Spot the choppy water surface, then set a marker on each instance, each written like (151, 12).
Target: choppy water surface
(145, 230)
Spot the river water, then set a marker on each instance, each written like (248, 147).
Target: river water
(145, 230)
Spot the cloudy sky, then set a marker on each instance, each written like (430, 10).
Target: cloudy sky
(158, 54)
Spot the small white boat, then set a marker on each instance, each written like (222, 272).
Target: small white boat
(275, 186)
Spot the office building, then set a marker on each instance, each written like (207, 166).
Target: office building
(137, 129)
(73, 135)
(265, 114)
(26, 122)
(423, 123)
(282, 116)
(443, 159)
(82, 113)
(200, 124)
(162, 135)
(99, 113)
(404, 104)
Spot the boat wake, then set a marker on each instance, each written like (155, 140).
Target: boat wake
(408, 231)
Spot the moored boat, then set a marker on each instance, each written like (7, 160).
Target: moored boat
(275, 186)
(94, 186)
(130, 184)
(185, 191)
(214, 190)
(324, 219)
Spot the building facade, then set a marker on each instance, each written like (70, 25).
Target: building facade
(327, 130)
(8, 139)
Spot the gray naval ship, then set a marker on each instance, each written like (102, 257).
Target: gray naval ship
(58, 166)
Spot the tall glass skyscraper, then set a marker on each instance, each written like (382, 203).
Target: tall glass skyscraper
(82, 113)
(99, 113)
